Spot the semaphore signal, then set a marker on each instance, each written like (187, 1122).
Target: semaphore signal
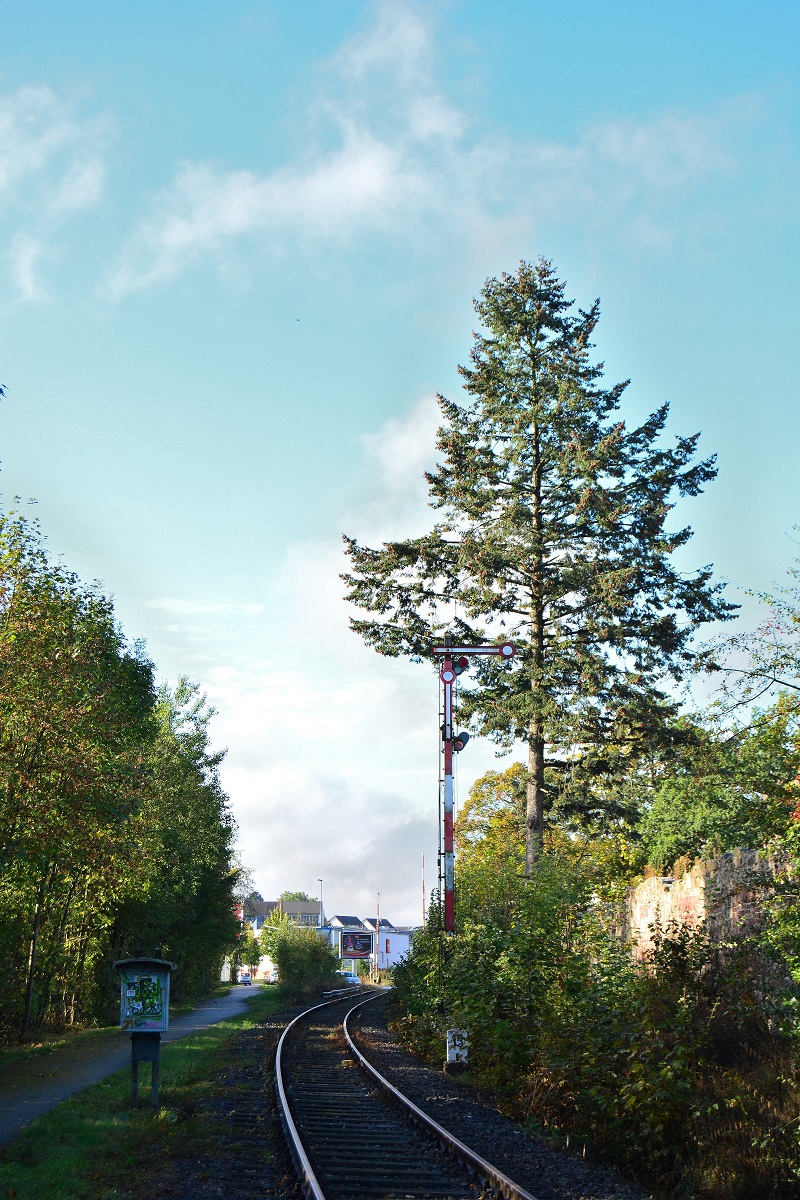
(455, 662)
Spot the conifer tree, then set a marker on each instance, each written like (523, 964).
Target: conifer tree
(554, 534)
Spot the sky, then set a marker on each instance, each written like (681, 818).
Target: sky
(239, 244)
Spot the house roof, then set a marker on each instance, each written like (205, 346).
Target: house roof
(258, 910)
(262, 908)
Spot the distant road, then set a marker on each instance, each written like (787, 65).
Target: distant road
(35, 1085)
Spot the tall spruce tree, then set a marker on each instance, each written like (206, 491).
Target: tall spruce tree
(554, 535)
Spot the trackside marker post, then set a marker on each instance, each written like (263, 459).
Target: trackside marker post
(455, 660)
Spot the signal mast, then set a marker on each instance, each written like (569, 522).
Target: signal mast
(455, 662)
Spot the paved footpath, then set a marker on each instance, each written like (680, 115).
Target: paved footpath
(35, 1085)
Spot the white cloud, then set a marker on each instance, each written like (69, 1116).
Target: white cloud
(398, 455)
(206, 207)
(397, 157)
(206, 607)
(329, 749)
(81, 187)
(50, 167)
(403, 448)
(667, 151)
(26, 253)
(397, 45)
(40, 132)
(34, 126)
(332, 763)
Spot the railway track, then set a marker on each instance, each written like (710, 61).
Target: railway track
(353, 1136)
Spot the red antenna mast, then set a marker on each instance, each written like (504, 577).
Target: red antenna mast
(456, 660)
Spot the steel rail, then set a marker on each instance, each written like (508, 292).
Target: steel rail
(308, 1179)
(486, 1170)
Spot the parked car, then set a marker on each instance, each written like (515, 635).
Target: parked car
(244, 977)
(349, 978)
(272, 976)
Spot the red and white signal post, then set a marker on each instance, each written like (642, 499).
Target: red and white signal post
(456, 660)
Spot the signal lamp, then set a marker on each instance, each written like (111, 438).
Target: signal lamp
(460, 741)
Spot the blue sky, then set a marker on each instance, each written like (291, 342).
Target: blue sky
(238, 247)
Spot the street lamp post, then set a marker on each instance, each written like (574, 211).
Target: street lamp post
(321, 910)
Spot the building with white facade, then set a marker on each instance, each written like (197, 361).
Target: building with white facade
(392, 943)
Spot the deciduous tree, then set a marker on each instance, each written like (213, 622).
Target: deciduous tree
(114, 829)
(75, 721)
(762, 661)
(728, 787)
(181, 893)
(250, 951)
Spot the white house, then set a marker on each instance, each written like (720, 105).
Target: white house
(393, 943)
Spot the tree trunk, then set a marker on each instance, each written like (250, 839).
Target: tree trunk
(9, 822)
(534, 817)
(37, 916)
(60, 942)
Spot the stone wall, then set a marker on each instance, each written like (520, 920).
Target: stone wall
(722, 893)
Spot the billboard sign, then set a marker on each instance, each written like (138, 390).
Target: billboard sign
(355, 945)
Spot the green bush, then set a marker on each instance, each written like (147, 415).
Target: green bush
(306, 964)
(683, 1061)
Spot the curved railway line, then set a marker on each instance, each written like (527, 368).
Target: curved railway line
(346, 1129)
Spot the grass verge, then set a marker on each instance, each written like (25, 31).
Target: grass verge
(90, 1147)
